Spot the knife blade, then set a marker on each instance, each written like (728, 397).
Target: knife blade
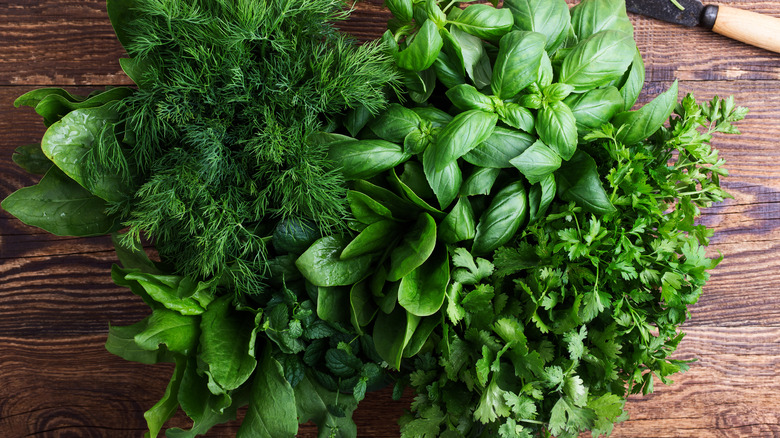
(749, 27)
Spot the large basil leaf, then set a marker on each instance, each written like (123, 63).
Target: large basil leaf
(435, 116)
(422, 291)
(401, 9)
(598, 60)
(635, 126)
(322, 266)
(475, 60)
(548, 17)
(499, 223)
(272, 411)
(518, 63)
(364, 159)
(395, 123)
(423, 50)
(484, 21)
(537, 162)
(444, 183)
(592, 16)
(466, 97)
(459, 224)
(415, 248)
(227, 345)
(578, 181)
(594, 108)
(539, 198)
(480, 182)
(62, 207)
(517, 117)
(557, 128)
(69, 142)
(634, 81)
(330, 411)
(374, 238)
(502, 145)
(465, 132)
(448, 70)
(392, 332)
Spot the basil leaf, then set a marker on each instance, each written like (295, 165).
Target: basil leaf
(578, 181)
(459, 224)
(635, 126)
(465, 132)
(594, 108)
(496, 151)
(427, 81)
(547, 17)
(499, 223)
(356, 119)
(416, 143)
(435, 116)
(322, 266)
(272, 411)
(392, 333)
(540, 196)
(32, 159)
(445, 183)
(395, 123)
(546, 72)
(517, 117)
(415, 248)
(557, 128)
(631, 88)
(592, 16)
(227, 345)
(537, 162)
(454, 52)
(598, 60)
(401, 9)
(557, 92)
(447, 71)
(413, 178)
(475, 59)
(423, 50)
(485, 22)
(374, 238)
(518, 63)
(466, 97)
(480, 182)
(62, 207)
(364, 159)
(422, 291)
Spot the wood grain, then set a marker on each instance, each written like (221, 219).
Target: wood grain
(57, 300)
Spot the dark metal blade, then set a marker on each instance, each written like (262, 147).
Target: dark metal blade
(666, 10)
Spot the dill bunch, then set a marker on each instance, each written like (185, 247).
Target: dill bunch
(229, 93)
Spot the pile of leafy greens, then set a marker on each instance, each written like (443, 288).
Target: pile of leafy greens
(469, 206)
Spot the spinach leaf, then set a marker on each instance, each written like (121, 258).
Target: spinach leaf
(459, 224)
(62, 207)
(322, 265)
(32, 159)
(179, 333)
(392, 333)
(422, 291)
(374, 238)
(415, 248)
(272, 409)
(167, 406)
(330, 411)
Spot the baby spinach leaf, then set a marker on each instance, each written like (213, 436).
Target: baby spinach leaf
(537, 162)
(557, 128)
(465, 132)
(167, 290)
(578, 181)
(635, 126)
(459, 224)
(317, 404)
(62, 207)
(594, 108)
(589, 17)
(227, 345)
(415, 248)
(517, 64)
(422, 291)
(392, 333)
(179, 333)
(167, 406)
(499, 223)
(547, 17)
(272, 411)
(374, 238)
(400, 208)
(484, 21)
(480, 182)
(421, 335)
(423, 50)
(410, 194)
(32, 159)
(496, 151)
(55, 106)
(333, 303)
(34, 97)
(362, 306)
(598, 60)
(364, 159)
(365, 209)
(322, 266)
(121, 342)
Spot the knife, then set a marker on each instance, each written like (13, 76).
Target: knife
(749, 27)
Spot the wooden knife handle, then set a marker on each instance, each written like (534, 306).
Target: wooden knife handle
(749, 27)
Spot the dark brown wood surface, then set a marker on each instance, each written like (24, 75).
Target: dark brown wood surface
(57, 299)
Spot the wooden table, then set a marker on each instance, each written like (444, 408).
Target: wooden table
(57, 299)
